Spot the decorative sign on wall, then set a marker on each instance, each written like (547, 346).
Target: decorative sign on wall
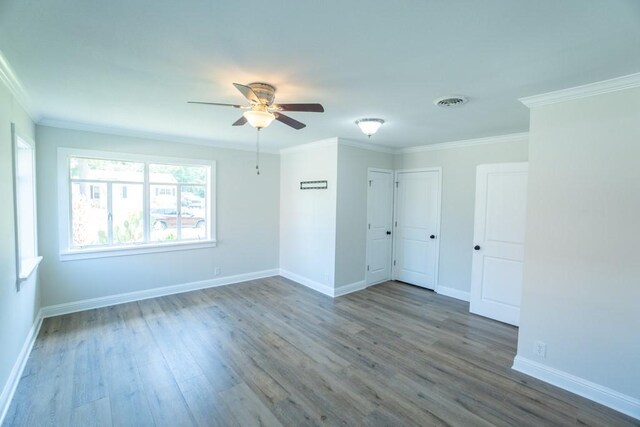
(313, 185)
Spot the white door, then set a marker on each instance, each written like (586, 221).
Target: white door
(379, 225)
(417, 227)
(500, 221)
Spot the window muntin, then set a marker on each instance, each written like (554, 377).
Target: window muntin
(122, 202)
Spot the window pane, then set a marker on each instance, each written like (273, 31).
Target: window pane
(111, 170)
(127, 213)
(89, 213)
(193, 208)
(164, 212)
(171, 174)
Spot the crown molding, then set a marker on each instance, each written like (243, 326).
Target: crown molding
(339, 141)
(11, 81)
(365, 146)
(512, 137)
(311, 145)
(86, 127)
(591, 89)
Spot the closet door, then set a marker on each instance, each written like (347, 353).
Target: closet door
(379, 225)
(417, 226)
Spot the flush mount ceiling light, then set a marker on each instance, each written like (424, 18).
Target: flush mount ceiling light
(369, 126)
(259, 119)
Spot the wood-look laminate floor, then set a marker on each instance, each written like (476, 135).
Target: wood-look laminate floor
(271, 352)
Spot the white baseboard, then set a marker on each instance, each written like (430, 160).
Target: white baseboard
(16, 372)
(620, 402)
(88, 304)
(453, 293)
(316, 286)
(322, 288)
(351, 287)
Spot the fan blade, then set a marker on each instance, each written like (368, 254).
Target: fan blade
(215, 103)
(241, 121)
(289, 121)
(312, 108)
(247, 92)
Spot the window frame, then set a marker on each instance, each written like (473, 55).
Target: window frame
(68, 253)
(24, 266)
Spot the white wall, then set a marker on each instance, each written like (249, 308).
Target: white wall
(351, 226)
(581, 291)
(18, 310)
(308, 217)
(458, 200)
(247, 222)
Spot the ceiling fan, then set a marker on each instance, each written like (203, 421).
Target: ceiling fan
(262, 111)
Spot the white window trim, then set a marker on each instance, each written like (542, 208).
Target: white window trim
(24, 267)
(64, 210)
(28, 266)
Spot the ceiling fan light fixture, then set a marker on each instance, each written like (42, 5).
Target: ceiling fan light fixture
(369, 126)
(259, 119)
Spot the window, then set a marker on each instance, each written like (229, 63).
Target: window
(27, 258)
(114, 204)
(95, 191)
(165, 191)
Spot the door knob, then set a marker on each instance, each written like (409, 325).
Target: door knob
(432, 236)
(476, 247)
(388, 233)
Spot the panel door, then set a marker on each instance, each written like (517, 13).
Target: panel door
(417, 227)
(499, 230)
(379, 225)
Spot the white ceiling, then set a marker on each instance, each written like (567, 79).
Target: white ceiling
(133, 65)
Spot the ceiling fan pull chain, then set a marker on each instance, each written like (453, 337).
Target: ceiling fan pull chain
(258, 152)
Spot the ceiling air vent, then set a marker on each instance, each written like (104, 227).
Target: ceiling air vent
(451, 101)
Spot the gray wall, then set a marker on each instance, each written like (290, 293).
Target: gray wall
(581, 290)
(308, 217)
(247, 222)
(458, 200)
(351, 224)
(17, 309)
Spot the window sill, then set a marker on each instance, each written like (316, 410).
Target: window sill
(28, 266)
(80, 254)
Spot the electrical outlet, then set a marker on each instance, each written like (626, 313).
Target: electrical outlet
(216, 271)
(540, 349)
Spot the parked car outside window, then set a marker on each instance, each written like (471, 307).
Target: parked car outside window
(168, 218)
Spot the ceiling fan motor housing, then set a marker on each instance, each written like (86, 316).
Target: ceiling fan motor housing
(264, 91)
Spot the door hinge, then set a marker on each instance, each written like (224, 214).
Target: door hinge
(394, 262)
(369, 226)
(369, 183)
(367, 268)
(397, 182)
(396, 223)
